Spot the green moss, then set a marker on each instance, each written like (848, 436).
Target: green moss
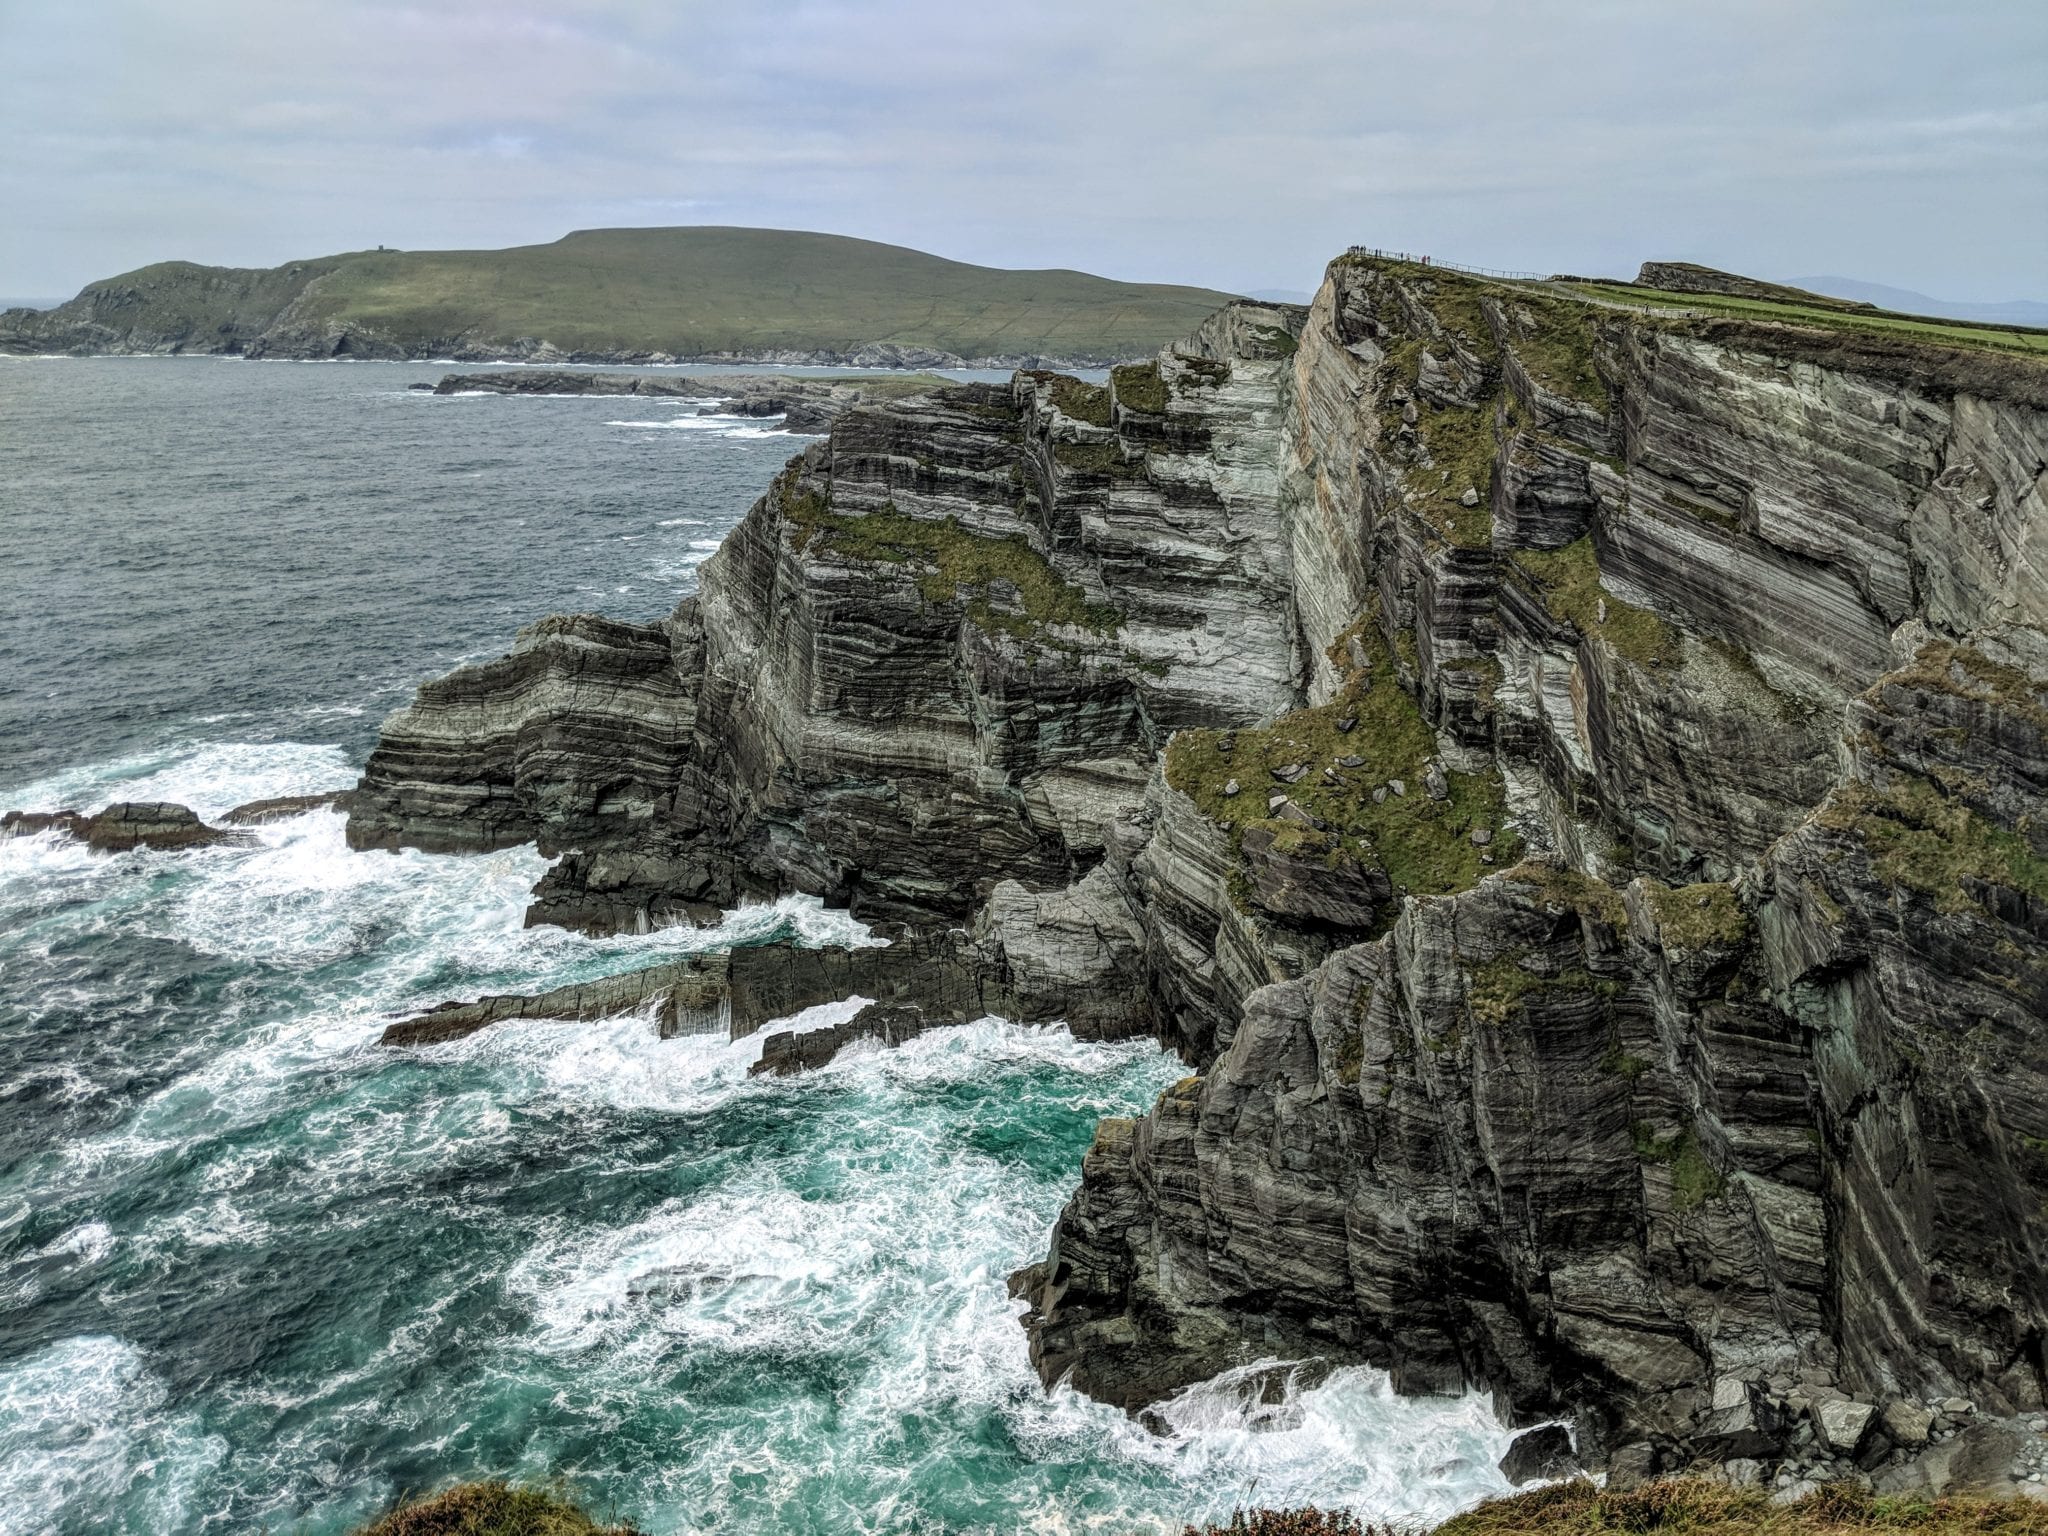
(1424, 845)
(1901, 327)
(1569, 579)
(955, 562)
(1618, 1063)
(1460, 446)
(1138, 387)
(1568, 888)
(1923, 840)
(1695, 916)
(1694, 1180)
(1097, 459)
(492, 1509)
(1350, 1056)
(1082, 401)
(1704, 512)
(1203, 372)
(1555, 346)
(1280, 339)
(1696, 1507)
(1454, 301)
(1498, 990)
(1486, 669)
(1967, 673)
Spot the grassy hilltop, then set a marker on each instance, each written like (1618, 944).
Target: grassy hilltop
(686, 292)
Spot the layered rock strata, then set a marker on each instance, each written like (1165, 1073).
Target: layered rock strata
(1570, 781)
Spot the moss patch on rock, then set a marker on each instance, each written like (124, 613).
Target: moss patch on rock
(1501, 988)
(1694, 1180)
(1569, 580)
(1695, 1507)
(1006, 584)
(1696, 916)
(1425, 846)
(1553, 341)
(1097, 459)
(1078, 399)
(1138, 387)
(1922, 839)
(1568, 889)
(1444, 453)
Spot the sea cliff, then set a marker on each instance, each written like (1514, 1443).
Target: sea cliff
(1569, 779)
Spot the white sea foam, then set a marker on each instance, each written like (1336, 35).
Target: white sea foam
(83, 1428)
(209, 778)
(867, 1228)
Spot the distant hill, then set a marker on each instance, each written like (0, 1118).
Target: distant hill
(1905, 301)
(622, 295)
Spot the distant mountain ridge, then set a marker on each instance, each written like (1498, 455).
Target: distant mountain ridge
(707, 293)
(1905, 301)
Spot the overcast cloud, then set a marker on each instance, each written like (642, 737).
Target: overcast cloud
(1234, 145)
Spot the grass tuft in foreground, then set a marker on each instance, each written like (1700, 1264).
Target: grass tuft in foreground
(493, 1509)
(1675, 1507)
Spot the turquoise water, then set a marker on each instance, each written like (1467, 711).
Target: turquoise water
(258, 1272)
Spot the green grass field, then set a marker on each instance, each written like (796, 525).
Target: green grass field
(689, 292)
(1840, 318)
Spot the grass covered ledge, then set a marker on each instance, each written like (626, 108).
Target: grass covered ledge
(1680, 1507)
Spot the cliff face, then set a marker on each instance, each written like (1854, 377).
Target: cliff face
(1571, 781)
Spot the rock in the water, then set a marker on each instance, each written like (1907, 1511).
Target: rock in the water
(283, 807)
(126, 825)
(1544, 1453)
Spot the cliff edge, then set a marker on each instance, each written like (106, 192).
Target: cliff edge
(1569, 779)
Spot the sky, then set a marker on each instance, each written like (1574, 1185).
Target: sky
(1236, 146)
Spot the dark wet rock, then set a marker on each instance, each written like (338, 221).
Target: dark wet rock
(126, 825)
(283, 807)
(1543, 1453)
(791, 1051)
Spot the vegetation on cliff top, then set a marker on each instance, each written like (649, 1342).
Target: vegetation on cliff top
(1080, 400)
(1424, 845)
(1138, 387)
(1669, 1507)
(1828, 316)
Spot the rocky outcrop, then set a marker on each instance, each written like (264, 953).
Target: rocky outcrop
(804, 405)
(1569, 781)
(126, 825)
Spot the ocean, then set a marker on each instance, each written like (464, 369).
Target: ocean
(258, 1272)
